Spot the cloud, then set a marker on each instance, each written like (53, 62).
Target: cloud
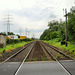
(32, 14)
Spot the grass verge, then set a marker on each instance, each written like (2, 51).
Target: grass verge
(70, 48)
(13, 46)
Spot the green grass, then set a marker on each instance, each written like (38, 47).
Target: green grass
(34, 59)
(27, 60)
(43, 58)
(12, 46)
(59, 56)
(70, 48)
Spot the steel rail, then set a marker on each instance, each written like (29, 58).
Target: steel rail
(57, 60)
(59, 51)
(16, 53)
(47, 52)
(24, 60)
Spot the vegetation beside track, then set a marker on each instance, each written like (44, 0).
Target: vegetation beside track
(70, 48)
(13, 46)
(55, 34)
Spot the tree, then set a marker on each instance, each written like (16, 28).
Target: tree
(62, 31)
(11, 33)
(71, 26)
(56, 30)
(45, 35)
(53, 25)
(3, 33)
(18, 36)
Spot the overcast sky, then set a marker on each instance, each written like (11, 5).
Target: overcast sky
(31, 14)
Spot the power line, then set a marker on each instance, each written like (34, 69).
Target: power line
(26, 32)
(57, 8)
(20, 31)
(21, 4)
(24, 12)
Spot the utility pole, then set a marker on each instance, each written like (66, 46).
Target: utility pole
(26, 32)
(20, 31)
(8, 23)
(66, 25)
(33, 35)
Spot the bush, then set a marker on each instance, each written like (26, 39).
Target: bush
(13, 41)
(27, 39)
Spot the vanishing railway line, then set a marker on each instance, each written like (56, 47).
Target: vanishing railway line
(14, 57)
(55, 49)
(39, 51)
(19, 56)
(8, 55)
(45, 45)
(59, 55)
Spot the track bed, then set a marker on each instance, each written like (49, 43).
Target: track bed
(38, 53)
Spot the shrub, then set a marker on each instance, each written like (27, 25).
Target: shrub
(12, 41)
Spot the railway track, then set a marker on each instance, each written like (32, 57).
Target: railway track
(28, 54)
(39, 53)
(7, 55)
(19, 57)
(15, 54)
(57, 60)
(36, 49)
(58, 51)
(24, 60)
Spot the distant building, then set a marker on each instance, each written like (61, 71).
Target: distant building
(22, 37)
(12, 37)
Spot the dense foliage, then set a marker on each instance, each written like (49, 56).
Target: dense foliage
(14, 41)
(57, 29)
(71, 26)
(45, 35)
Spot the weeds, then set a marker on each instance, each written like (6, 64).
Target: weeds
(34, 59)
(43, 58)
(70, 48)
(27, 60)
(59, 56)
(13, 46)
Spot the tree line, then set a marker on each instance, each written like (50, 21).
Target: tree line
(57, 29)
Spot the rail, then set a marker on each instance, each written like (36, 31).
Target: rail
(56, 59)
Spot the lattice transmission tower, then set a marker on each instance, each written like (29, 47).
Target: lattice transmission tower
(8, 22)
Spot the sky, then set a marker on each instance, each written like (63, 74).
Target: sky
(31, 15)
